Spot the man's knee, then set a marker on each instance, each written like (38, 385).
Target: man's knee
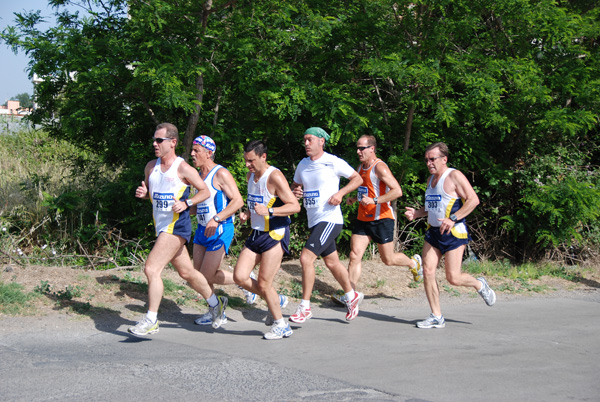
(306, 260)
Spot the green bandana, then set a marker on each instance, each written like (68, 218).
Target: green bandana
(317, 132)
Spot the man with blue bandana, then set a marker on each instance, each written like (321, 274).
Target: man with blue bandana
(317, 181)
(167, 184)
(215, 217)
(449, 198)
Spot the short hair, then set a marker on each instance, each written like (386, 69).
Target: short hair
(371, 141)
(441, 146)
(259, 147)
(172, 131)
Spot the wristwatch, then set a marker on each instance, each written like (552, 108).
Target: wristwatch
(216, 218)
(453, 218)
(189, 202)
(271, 212)
(375, 200)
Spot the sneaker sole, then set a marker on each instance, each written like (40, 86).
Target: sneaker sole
(301, 320)
(209, 322)
(153, 331)
(337, 299)
(431, 326)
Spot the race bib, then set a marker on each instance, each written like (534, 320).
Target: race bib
(201, 212)
(433, 202)
(363, 191)
(254, 199)
(163, 201)
(311, 199)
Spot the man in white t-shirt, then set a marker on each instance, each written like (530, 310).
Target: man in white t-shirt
(317, 180)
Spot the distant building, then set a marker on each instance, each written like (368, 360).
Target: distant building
(13, 109)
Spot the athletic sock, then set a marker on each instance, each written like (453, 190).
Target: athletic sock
(305, 304)
(280, 322)
(350, 295)
(152, 315)
(212, 300)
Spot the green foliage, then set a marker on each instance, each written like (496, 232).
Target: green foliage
(503, 83)
(69, 293)
(13, 300)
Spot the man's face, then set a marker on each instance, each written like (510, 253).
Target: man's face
(254, 162)
(313, 145)
(162, 145)
(364, 150)
(199, 155)
(434, 160)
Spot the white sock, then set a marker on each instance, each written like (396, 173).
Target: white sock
(305, 304)
(280, 322)
(350, 295)
(152, 315)
(212, 300)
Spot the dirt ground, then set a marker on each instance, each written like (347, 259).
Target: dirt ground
(123, 291)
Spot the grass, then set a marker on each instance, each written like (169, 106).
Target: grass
(13, 299)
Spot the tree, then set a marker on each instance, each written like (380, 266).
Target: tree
(24, 100)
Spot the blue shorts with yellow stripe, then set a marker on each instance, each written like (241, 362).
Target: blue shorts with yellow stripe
(259, 241)
(449, 241)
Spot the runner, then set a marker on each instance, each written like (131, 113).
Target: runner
(166, 183)
(270, 203)
(319, 174)
(449, 199)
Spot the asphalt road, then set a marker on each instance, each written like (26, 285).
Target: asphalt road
(527, 349)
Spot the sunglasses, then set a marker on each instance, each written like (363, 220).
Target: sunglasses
(160, 140)
(427, 160)
(363, 148)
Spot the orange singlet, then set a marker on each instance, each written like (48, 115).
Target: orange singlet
(373, 187)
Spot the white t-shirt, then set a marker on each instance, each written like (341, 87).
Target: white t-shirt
(320, 180)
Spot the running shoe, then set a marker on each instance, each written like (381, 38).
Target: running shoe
(432, 322)
(418, 270)
(283, 301)
(144, 327)
(278, 332)
(338, 299)
(301, 315)
(486, 292)
(206, 319)
(250, 297)
(352, 306)
(218, 312)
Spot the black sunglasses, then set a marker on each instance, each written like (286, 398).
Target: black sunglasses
(363, 148)
(160, 140)
(432, 159)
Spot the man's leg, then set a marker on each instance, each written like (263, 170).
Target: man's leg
(164, 250)
(307, 260)
(454, 274)
(339, 272)
(431, 259)
(388, 257)
(358, 246)
(246, 262)
(181, 261)
(209, 262)
(269, 265)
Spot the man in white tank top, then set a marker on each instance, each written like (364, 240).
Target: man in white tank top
(166, 184)
(449, 198)
(270, 203)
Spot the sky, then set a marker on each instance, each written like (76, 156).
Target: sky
(13, 74)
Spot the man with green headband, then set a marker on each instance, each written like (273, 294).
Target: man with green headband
(317, 180)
